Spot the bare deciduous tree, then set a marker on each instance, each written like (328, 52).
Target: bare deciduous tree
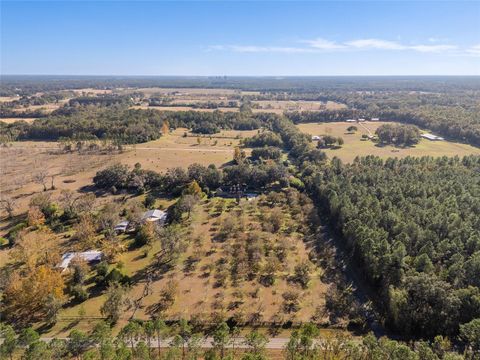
(8, 204)
(41, 178)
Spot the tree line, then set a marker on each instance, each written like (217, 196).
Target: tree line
(184, 340)
(118, 122)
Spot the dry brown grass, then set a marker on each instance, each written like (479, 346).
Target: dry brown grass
(12, 120)
(21, 160)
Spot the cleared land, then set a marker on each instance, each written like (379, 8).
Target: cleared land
(12, 120)
(356, 146)
(20, 161)
(277, 107)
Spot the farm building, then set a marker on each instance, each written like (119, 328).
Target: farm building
(88, 256)
(351, 120)
(361, 120)
(121, 226)
(154, 216)
(432, 137)
(375, 119)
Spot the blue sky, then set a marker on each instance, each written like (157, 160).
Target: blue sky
(240, 38)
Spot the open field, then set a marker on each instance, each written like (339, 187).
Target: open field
(277, 107)
(12, 120)
(355, 146)
(90, 91)
(8, 98)
(20, 161)
(297, 105)
(202, 92)
(183, 108)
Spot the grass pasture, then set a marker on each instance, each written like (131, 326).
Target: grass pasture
(12, 120)
(355, 146)
(20, 161)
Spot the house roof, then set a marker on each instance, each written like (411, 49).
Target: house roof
(121, 225)
(154, 215)
(431, 137)
(92, 255)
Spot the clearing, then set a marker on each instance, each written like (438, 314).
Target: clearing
(20, 161)
(356, 146)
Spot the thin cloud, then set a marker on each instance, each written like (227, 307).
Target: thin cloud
(474, 50)
(375, 44)
(257, 49)
(324, 44)
(433, 48)
(320, 45)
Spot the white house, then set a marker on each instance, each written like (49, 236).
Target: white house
(361, 120)
(88, 256)
(351, 120)
(154, 216)
(375, 119)
(315, 137)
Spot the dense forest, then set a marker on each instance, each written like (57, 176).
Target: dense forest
(411, 225)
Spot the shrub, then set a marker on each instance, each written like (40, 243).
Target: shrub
(79, 293)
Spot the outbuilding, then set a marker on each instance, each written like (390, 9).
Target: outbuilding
(155, 215)
(432, 137)
(89, 256)
(121, 227)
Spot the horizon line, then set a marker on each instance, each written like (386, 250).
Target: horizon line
(251, 76)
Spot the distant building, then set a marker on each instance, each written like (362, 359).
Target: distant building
(432, 137)
(361, 120)
(250, 196)
(89, 256)
(315, 137)
(155, 215)
(375, 119)
(351, 120)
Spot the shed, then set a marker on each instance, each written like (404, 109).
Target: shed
(88, 256)
(432, 137)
